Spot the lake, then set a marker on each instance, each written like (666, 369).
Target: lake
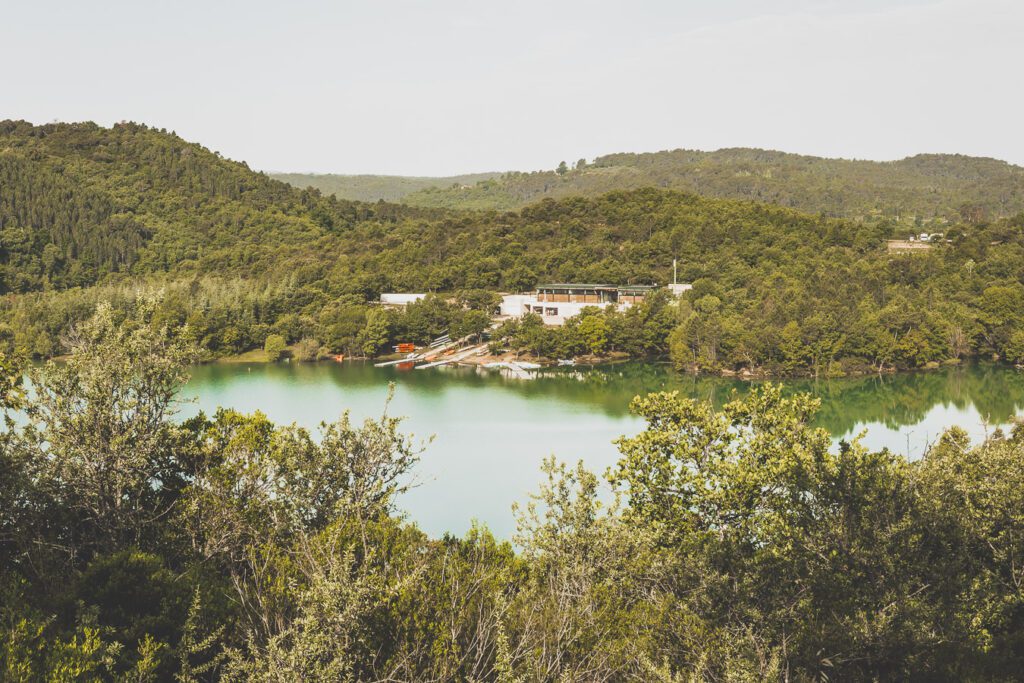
(491, 432)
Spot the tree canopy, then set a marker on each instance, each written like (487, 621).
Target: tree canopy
(90, 214)
(911, 191)
(738, 544)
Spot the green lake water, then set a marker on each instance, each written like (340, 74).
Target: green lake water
(491, 431)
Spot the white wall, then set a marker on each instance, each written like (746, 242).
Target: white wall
(512, 304)
(392, 299)
(516, 305)
(564, 309)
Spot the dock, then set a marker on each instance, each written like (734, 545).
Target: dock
(455, 358)
(515, 368)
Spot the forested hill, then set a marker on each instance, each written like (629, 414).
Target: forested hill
(921, 187)
(372, 188)
(80, 203)
(89, 214)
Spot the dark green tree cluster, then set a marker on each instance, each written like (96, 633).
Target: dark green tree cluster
(82, 204)
(963, 299)
(56, 233)
(229, 317)
(740, 545)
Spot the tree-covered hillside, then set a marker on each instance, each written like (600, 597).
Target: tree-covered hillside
(80, 203)
(918, 188)
(372, 188)
(91, 214)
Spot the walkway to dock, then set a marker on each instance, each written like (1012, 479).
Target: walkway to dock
(455, 358)
(437, 348)
(411, 358)
(518, 371)
(515, 368)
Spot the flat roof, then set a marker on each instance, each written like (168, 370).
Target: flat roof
(586, 286)
(400, 296)
(575, 286)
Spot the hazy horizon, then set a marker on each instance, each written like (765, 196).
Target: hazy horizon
(571, 161)
(403, 88)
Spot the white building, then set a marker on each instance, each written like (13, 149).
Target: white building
(512, 304)
(555, 303)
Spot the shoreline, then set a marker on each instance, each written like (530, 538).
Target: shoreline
(259, 357)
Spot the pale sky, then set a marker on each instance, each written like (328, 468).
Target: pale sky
(454, 86)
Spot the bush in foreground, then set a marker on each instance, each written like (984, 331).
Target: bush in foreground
(739, 545)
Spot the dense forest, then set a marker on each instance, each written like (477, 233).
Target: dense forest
(89, 214)
(372, 188)
(740, 545)
(82, 204)
(915, 190)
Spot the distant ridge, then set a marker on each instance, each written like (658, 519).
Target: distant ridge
(372, 188)
(925, 186)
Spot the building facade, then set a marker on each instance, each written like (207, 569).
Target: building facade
(555, 303)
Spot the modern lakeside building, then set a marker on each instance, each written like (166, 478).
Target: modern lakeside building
(555, 303)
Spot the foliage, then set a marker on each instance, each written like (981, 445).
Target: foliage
(911, 191)
(274, 347)
(92, 214)
(372, 188)
(101, 424)
(738, 544)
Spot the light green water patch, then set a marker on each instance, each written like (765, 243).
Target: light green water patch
(491, 431)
